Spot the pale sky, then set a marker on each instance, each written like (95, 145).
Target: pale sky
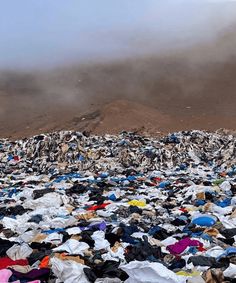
(50, 32)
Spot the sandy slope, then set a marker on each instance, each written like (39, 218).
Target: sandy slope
(195, 89)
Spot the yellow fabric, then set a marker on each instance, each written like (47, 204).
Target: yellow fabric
(184, 273)
(137, 203)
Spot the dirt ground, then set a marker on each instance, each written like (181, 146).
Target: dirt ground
(150, 95)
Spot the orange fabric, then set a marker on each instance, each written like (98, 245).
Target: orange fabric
(223, 174)
(211, 231)
(200, 195)
(44, 262)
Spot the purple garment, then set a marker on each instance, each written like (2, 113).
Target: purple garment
(97, 226)
(180, 246)
(42, 273)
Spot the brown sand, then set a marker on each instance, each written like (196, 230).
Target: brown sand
(148, 95)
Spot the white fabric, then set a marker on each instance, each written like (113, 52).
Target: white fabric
(68, 271)
(214, 252)
(139, 235)
(73, 246)
(104, 213)
(27, 236)
(150, 272)
(233, 201)
(196, 279)
(225, 186)
(19, 251)
(49, 200)
(54, 238)
(226, 221)
(100, 241)
(18, 225)
(221, 210)
(73, 231)
(60, 222)
(169, 241)
(117, 256)
(230, 271)
(108, 280)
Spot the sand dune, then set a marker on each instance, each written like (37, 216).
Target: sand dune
(194, 89)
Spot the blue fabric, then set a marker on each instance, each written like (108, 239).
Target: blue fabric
(200, 202)
(204, 221)
(12, 192)
(66, 177)
(183, 167)
(206, 237)
(10, 157)
(131, 178)
(173, 138)
(81, 158)
(112, 197)
(127, 232)
(103, 175)
(196, 234)
(192, 250)
(153, 230)
(228, 251)
(224, 203)
(162, 185)
(53, 231)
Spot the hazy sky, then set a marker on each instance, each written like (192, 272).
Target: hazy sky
(48, 32)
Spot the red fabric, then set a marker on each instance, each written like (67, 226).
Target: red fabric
(157, 179)
(6, 261)
(96, 207)
(201, 249)
(183, 209)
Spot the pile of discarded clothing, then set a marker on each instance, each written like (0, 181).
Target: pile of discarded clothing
(126, 208)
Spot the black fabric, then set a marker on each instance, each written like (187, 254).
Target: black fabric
(39, 193)
(86, 237)
(4, 246)
(178, 222)
(142, 251)
(77, 189)
(135, 209)
(8, 233)
(112, 238)
(177, 264)
(228, 233)
(13, 210)
(36, 218)
(127, 231)
(38, 255)
(228, 241)
(108, 269)
(208, 261)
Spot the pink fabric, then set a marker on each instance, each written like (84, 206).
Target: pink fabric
(5, 274)
(180, 246)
